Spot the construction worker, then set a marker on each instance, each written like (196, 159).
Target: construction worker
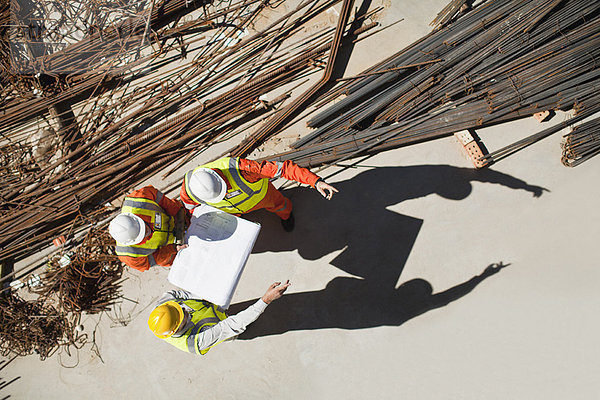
(144, 230)
(196, 326)
(239, 186)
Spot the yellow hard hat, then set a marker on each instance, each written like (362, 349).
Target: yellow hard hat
(165, 319)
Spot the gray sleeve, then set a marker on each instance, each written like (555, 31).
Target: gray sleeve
(174, 295)
(230, 326)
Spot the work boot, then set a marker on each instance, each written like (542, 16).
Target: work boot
(288, 224)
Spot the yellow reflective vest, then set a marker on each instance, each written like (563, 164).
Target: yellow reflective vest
(163, 223)
(204, 316)
(242, 195)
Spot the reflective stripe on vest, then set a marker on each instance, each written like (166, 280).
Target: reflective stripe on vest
(204, 316)
(242, 195)
(163, 225)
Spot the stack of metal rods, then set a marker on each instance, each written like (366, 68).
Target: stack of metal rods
(582, 143)
(135, 119)
(500, 62)
(271, 126)
(95, 61)
(449, 12)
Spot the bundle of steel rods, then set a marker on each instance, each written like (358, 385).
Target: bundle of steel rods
(30, 327)
(450, 12)
(502, 60)
(582, 143)
(82, 140)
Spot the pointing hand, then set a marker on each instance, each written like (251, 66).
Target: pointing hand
(325, 189)
(275, 291)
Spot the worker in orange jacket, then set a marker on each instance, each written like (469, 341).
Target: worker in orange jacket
(239, 186)
(145, 229)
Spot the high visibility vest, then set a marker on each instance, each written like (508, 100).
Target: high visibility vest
(205, 315)
(242, 196)
(163, 223)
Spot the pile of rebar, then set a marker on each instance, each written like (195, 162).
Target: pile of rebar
(118, 100)
(502, 60)
(450, 12)
(86, 280)
(94, 110)
(74, 141)
(582, 143)
(30, 327)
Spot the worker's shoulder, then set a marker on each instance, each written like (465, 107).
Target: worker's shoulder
(149, 192)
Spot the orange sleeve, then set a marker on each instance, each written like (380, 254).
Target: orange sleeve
(170, 206)
(165, 255)
(253, 171)
(139, 263)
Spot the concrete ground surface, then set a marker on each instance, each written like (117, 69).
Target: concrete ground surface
(391, 293)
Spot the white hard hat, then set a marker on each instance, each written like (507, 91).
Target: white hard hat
(206, 185)
(127, 229)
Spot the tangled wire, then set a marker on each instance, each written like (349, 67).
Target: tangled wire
(30, 327)
(86, 280)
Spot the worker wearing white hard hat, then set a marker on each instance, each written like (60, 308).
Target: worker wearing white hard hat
(207, 184)
(145, 229)
(128, 229)
(238, 186)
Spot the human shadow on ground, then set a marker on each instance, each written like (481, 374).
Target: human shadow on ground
(351, 303)
(357, 221)
(375, 244)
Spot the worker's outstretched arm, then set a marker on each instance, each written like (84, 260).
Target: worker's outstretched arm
(253, 170)
(236, 324)
(288, 170)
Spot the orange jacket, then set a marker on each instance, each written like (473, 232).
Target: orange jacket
(166, 254)
(254, 171)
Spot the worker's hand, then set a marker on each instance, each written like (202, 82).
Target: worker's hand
(183, 217)
(325, 189)
(180, 247)
(275, 291)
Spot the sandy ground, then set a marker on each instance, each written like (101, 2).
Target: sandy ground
(391, 296)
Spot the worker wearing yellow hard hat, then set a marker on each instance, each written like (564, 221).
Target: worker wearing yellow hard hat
(195, 325)
(165, 319)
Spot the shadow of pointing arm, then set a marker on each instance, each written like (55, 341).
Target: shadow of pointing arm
(454, 293)
(491, 176)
